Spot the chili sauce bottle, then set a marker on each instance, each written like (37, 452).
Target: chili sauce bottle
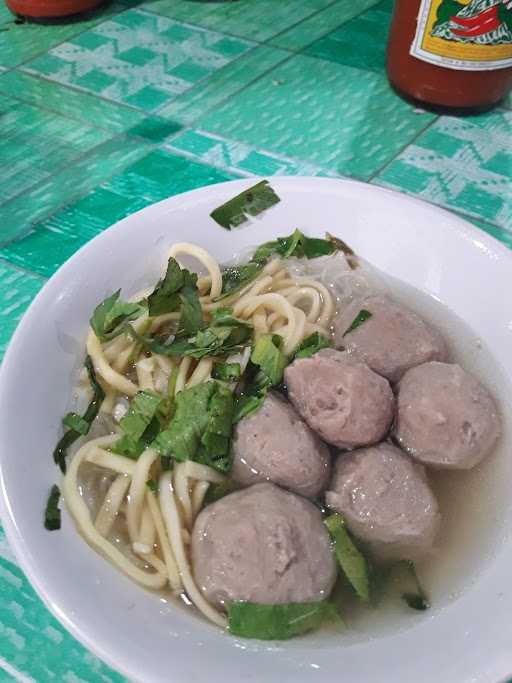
(451, 55)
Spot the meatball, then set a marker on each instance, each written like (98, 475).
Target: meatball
(274, 444)
(262, 544)
(445, 417)
(392, 340)
(385, 500)
(344, 401)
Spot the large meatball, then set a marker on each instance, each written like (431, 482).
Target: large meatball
(262, 544)
(392, 340)
(274, 444)
(385, 500)
(445, 417)
(344, 401)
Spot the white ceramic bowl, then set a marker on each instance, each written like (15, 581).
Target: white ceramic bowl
(469, 639)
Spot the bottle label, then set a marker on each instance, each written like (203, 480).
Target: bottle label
(468, 35)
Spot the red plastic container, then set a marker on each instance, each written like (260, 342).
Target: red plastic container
(45, 9)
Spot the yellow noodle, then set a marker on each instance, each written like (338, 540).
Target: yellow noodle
(80, 513)
(111, 503)
(206, 260)
(102, 367)
(172, 521)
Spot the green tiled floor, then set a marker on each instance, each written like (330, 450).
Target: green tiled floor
(343, 119)
(253, 19)
(357, 41)
(138, 58)
(148, 180)
(105, 114)
(17, 289)
(461, 164)
(319, 24)
(28, 137)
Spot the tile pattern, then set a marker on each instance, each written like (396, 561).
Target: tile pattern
(463, 164)
(28, 138)
(343, 119)
(138, 58)
(103, 114)
(319, 24)
(359, 40)
(148, 180)
(17, 289)
(238, 157)
(255, 19)
(27, 629)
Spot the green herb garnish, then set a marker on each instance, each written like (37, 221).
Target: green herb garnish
(69, 437)
(297, 245)
(140, 425)
(264, 371)
(350, 559)
(111, 316)
(76, 423)
(217, 491)
(342, 246)
(310, 345)
(152, 485)
(200, 429)
(358, 320)
(278, 622)
(250, 202)
(178, 288)
(268, 355)
(52, 512)
(165, 297)
(235, 278)
(404, 575)
(225, 334)
(227, 372)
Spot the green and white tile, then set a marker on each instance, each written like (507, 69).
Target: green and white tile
(238, 157)
(462, 164)
(254, 19)
(319, 24)
(23, 211)
(360, 42)
(345, 120)
(156, 176)
(17, 289)
(29, 137)
(75, 104)
(222, 84)
(137, 58)
(36, 648)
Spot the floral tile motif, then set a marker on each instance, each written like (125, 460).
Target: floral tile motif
(138, 58)
(238, 157)
(462, 164)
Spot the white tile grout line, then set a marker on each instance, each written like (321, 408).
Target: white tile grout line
(17, 675)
